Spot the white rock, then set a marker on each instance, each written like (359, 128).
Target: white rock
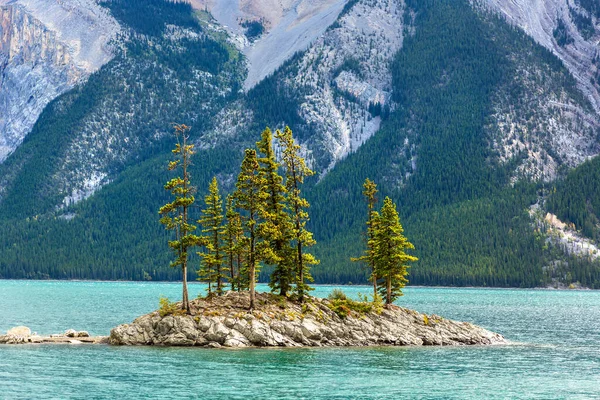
(71, 333)
(19, 331)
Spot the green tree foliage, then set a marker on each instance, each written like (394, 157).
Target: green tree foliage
(150, 17)
(234, 244)
(296, 171)
(591, 6)
(389, 245)
(249, 197)
(275, 229)
(175, 215)
(369, 191)
(469, 225)
(212, 269)
(253, 29)
(577, 198)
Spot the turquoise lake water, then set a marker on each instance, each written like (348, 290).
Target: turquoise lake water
(555, 355)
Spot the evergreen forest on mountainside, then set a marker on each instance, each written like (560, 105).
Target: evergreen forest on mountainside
(468, 223)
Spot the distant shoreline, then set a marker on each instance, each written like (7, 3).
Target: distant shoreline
(367, 285)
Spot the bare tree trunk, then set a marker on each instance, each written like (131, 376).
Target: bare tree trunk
(300, 263)
(374, 285)
(185, 305)
(388, 299)
(239, 267)
(252, 285)
(232, 272)
(252, 272)
(369, 237)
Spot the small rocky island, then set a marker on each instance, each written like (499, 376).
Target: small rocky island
(225, 321)
(23, 335)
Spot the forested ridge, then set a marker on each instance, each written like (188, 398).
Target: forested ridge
(576, 200)
(468, 223)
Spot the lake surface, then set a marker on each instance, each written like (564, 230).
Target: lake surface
(556, 354)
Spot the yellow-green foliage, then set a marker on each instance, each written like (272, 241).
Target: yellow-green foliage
(282, 302)
(337, 294)
(378, 304)
(344, 308)
(290, 315)
(168, 308)
(320, 316)
(425, 319)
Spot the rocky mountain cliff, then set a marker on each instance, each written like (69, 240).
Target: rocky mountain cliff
(569, 28)
(289, 26)
(46, 48)
(336, 83)
(554, 129)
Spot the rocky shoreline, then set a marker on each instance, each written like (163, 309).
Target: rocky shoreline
(23, 335)
(276, 322)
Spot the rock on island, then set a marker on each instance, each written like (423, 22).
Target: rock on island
(277, 322)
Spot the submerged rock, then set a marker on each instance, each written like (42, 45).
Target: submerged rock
(275, 322)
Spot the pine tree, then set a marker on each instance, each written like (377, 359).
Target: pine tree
(212, 269)
(234, 243)
(276, 228)
(389, 245)
(249, 196)
(370, 190)
(296, 170)
(175, 215)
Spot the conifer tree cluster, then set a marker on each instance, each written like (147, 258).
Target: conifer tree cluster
(264, 221)
(385, 254)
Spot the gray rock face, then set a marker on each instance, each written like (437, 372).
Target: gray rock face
(291, 26)
(342, 72)
(46, 48)
(226, 322)
(550, 127)
(539, 18)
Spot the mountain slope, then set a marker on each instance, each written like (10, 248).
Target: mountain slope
(121, 115)
(570, 29)
(456, 114)
(46, 48)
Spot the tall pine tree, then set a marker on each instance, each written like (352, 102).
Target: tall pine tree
(212, 269)
(249, 196)
(389, 245)
(175, 215)
(234, 247)
(295, 171)
(276, 226)
(370, 190)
